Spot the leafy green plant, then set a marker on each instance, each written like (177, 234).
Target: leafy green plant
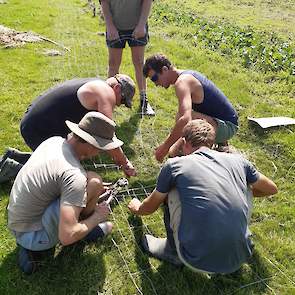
(264, 51)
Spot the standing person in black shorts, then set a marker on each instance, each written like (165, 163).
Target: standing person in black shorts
(70, 100)
(126, 21)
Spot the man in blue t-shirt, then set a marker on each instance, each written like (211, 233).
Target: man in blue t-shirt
(207, 199)
(198, 98)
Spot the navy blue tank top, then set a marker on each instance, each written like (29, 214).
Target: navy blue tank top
(215, 103)
(46, 116)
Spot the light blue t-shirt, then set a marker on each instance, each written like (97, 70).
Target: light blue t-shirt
(213, 188)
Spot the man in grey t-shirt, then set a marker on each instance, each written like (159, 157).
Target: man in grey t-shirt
(54, 199)
(207, 197)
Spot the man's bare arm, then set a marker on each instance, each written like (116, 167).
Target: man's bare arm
(145, 12)
(112, 32)
(120, 159)
(149, 205)
(140, 29)
(99, 96)
(71, 229)
(264, 187)
(183, 116)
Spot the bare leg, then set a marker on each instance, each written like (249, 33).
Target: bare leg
(115, 58)
(94, 189)
(138, 59)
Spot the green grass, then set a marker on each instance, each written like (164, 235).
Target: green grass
(117, 265)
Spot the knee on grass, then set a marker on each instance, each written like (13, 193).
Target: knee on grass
(94, 184)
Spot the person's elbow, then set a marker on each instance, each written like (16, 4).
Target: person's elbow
(66, 239)
(273, 189)
(270, 187)
(185, 118)
(264, 187)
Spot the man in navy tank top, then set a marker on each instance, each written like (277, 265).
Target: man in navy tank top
(198, 98)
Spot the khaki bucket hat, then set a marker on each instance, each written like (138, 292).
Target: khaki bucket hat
(98, 130)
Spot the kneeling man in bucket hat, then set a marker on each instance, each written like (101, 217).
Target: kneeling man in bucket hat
(54, 199)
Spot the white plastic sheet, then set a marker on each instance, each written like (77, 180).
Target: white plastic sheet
(272, 121)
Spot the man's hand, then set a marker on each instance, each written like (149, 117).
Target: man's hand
(101, 212)
(134, 205)
(160, 152)
(112, 33)
(139, 31)
(128, 169)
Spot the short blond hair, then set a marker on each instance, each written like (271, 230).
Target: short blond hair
(199, 133)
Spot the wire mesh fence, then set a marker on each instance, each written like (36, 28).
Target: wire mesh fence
(129, 270)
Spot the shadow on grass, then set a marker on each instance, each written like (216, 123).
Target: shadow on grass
(126, 132)
(259, 136)
(72, 271)
(258, 133)
(168, 279)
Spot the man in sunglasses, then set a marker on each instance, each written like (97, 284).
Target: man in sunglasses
(198, 98)
(70, 100)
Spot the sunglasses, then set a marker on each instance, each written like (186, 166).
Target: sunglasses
(123, 98)
(155, 77)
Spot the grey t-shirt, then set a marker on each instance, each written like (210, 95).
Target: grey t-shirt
(125, 13)
(213, 187)
(52, 172)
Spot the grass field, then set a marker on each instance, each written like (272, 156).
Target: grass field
(256, 71)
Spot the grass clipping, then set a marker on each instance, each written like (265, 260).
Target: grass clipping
(10, 38)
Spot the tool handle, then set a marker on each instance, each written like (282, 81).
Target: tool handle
(109, 200)
(104, 196)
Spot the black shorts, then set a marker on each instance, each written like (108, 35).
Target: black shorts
(126, 36)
